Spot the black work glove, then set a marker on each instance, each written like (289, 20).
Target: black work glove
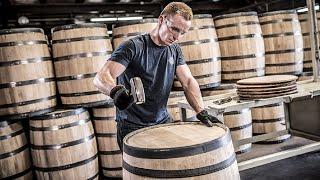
(207, 119)
(121, 97)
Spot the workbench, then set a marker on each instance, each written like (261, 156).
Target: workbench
(302, 117)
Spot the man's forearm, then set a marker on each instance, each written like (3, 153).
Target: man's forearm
(193, 95)
(104, 83)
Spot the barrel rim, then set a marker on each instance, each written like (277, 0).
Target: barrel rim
(77, 26)
(56, 115)
(200, 16)
(20, 30)
(290, 11)
(108, 104)
(231, 15)
(172, 152)
(128, 23)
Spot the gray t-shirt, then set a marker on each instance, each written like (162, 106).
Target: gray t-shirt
(156, 66)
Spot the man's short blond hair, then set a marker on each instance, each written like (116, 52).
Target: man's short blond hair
(181, 8)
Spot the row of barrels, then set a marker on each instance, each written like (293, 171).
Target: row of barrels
(228, 48)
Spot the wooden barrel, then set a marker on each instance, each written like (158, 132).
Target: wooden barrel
(305, 30)
(180, 151)
(127, 30)
(241, 46)
(201, 52)
(15, 161)
(106, 133)
(283, 42)
(267, 119)
(80, 51)
(174, 109)
(63, 145)
(27, 83)
(240, 125)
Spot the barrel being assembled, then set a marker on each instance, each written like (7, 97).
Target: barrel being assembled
(15, 161)
(283, 42)
(27, 84)
(106, 133)
(80, 51)
(180, 150)
(241, 46)
(201, 52)
(63, 145)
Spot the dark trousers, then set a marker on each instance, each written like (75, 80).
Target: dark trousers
(124, 128)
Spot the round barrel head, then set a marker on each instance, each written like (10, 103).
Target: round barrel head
(273, 79)
(173, 135)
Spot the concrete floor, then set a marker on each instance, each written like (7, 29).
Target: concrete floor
(302, 167)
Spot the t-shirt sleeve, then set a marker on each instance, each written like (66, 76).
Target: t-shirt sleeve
(180, 57)
(124, 53)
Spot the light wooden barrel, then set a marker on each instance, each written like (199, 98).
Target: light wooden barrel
(240, 125)
(106, 133)
(173, 108)
(267, 119)
(305, 30)
(15, 161)
(127, 30)
(80, 51)
(283, 42)
(63, 145)
(27, 83)
(180, 151)
(201, 52)
(241, 46)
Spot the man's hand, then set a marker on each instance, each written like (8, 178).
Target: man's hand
(121, 97)
(207, 119)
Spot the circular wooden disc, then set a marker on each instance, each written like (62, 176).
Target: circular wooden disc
(266, 95)
(240, 86)
(273, 79)
(173, 135)
(266, 92)
(267, 89)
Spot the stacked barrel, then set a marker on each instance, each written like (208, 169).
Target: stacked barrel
(241, 46)
(201, 52)
(27, 82)
(127, 30)
(283, 42)
(106, 132)
(63, 145)
(79, 52)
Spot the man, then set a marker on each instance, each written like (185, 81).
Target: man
(155, 58)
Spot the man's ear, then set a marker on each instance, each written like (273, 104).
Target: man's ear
(161, 19)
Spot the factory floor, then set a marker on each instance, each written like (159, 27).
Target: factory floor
(302, 167)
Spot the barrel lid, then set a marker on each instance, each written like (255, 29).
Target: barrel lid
(271, 79)
(291, 11)
(76, 26)
(225, 16)
(175, 135)
(20, 30)
(201, 16)
(142, 21)
(60, 113)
